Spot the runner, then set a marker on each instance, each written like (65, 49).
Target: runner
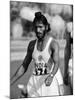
(46, 79)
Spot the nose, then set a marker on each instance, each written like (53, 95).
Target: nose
(38, 29)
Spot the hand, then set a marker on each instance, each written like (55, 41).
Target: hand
(48, 80)
(23, 89)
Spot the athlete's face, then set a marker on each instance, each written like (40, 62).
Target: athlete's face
(40, 30)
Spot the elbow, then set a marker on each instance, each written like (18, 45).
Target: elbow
(56, 64)
(21, 71)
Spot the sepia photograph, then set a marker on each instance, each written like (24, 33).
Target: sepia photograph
(41, 49)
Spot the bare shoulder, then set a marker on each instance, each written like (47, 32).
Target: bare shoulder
(32, 42)
(31, 45)
(54, 44)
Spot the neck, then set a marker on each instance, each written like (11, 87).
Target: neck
(41, 40)
(41, 43)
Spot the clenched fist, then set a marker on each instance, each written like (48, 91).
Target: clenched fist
(48, 80)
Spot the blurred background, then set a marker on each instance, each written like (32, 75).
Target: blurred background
(60, 18)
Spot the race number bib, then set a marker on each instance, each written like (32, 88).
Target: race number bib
(40, 69)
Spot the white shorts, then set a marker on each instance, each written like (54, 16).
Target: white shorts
(43, 90)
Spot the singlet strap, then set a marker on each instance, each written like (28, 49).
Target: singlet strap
(35, 46)
(48, 43)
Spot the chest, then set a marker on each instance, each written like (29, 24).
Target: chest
(40, 46)
(42, 53)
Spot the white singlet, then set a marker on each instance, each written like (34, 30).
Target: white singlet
(36, 86)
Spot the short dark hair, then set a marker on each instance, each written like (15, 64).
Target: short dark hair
(39, 17)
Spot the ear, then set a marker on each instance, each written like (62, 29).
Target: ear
(48, 27)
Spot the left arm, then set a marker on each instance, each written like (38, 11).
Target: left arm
(55, 56)
(55, 59)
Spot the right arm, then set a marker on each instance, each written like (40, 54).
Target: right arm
(23, 68)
